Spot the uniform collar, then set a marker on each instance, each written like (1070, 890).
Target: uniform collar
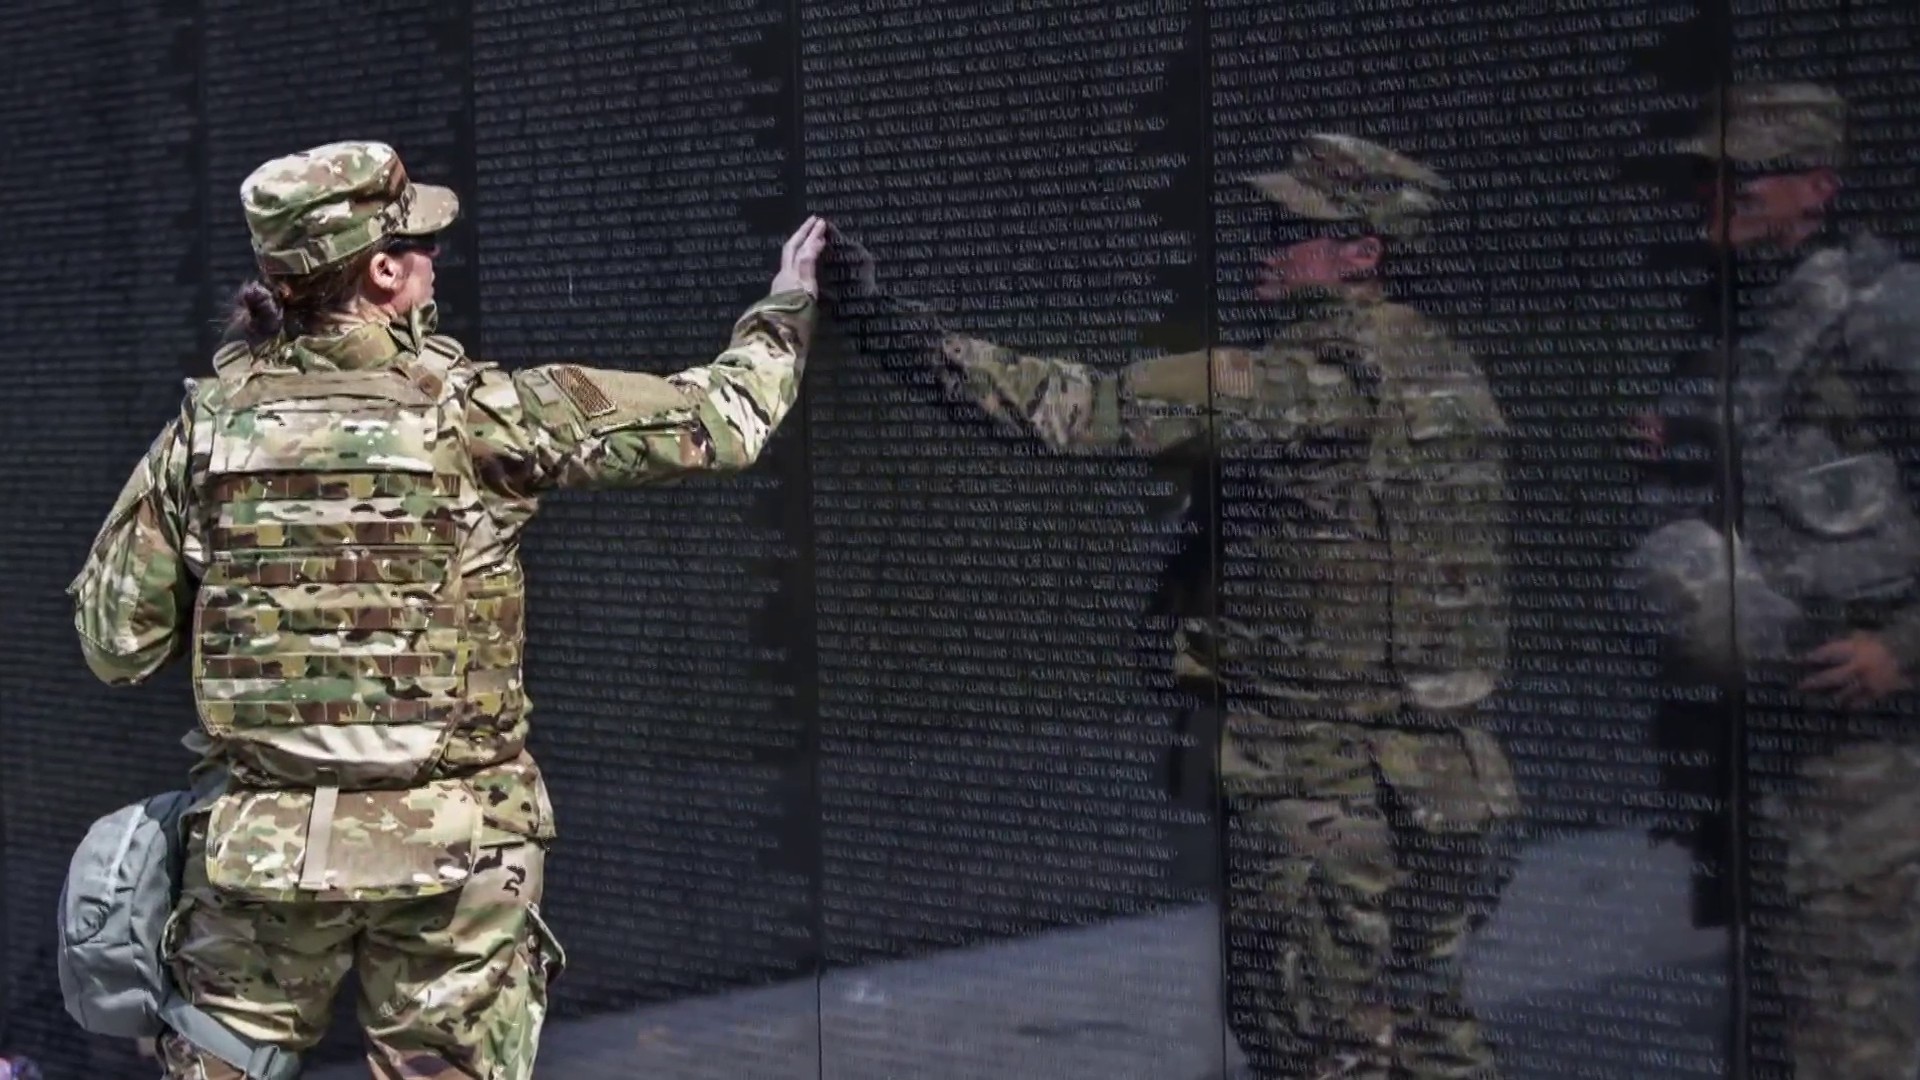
(1319, 299)
(350, 346)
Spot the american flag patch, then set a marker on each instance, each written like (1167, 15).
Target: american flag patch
(581, 391)
(1233, 373)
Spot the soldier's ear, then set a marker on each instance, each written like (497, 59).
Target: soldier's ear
(1363, 253)
(384, 272)
(1823, 184)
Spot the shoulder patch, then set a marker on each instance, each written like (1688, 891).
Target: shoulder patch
(585, 396)
(1233, 373)
(541, 387)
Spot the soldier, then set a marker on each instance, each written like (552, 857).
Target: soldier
(1365, 629)
(1821, 572)
(330, 530)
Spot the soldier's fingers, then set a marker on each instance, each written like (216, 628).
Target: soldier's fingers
(814, 232)
(1880, 683)
(1865, 691)
(1833, 652)
(1830, 679)
(794, 241)
(815, 243)
(806, 248)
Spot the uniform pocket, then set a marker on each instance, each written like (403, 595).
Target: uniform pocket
(548, 959)
(380, 845)
(1446, 782)
(1495, 771)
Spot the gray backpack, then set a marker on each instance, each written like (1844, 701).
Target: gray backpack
(121, 888)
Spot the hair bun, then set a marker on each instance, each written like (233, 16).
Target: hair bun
(257, 312)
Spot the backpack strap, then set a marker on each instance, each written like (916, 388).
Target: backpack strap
(191, 1023)
(210, 1036)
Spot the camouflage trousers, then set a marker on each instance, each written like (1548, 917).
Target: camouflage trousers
(452, 986)
(1359, 860)
(1836, 936)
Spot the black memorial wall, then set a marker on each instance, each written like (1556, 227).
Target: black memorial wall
(870, 762)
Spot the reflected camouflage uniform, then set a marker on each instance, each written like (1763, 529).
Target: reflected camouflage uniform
(330, 530)
(1362, 624)
(1828, 544)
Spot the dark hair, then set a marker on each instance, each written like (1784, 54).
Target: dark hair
(267, 305)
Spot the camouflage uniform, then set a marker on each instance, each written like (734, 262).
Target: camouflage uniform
(1360, 629)
(330, 529)
(1827, 543)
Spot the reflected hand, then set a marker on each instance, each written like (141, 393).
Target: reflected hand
(1649, 431)
(1859, 670)
(800, 259)
(854, 258)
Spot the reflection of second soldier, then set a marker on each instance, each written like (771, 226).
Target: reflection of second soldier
(1821, 613)
(1360, 629)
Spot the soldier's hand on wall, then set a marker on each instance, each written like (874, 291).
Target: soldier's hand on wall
(1860, 669)
(800, 259)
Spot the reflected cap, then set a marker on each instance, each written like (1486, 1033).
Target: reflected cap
(1784, 125)
(1343, 178)
(310, 210)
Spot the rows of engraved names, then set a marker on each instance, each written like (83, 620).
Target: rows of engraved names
(679, 867)
(158, 126)
(1529, 125)
(928, 630)
(1001, 145)
(85, 186)
(650, 146)
(979, 153)
(600, 138)
(1555, 236)
(344, 79)
(92, 222)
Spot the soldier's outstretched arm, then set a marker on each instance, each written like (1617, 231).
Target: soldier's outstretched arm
(1156, 407)
(134, 593)
(574, 426)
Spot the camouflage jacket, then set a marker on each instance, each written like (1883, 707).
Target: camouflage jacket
(1363, 487)
(529, 432)
(1824, 394)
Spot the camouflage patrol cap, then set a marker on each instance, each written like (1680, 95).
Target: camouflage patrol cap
(312, 209)
(1785, 125)
(1343, 178)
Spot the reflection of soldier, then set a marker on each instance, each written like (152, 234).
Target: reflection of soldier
(1360, 630)
(1823, 567)
(330, 531)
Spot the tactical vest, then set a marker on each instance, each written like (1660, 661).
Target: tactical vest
(1355, 579)
(333, 632)
(1824, 506)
